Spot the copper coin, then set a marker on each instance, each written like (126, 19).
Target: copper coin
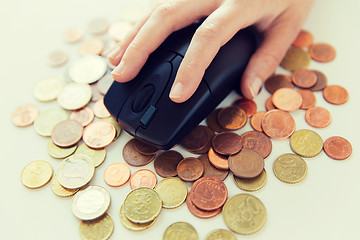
(278, 124)
(96, 94)
(322, 52)
(337, 148)
(335, 94)
(99, 134)
(57, 58)
(143, 178)
(84, 116)
(258, 142)
(321, 81)
(256, 119)
(308, 98)
(269, 104)
(210, 170)
(24, 115)
(227, 143)
(197, 139)
(100, 110)
(207, 146)
(232, 118)
(277, 81)
(133, 157)
(212, 121)
(246, 164)
(190, 169)
(117, 174)
(303, 78)
(303, 40)
(217, 160)
(145, 149)
(287, 99)
(209, 193)
(66, 133)
(73, 35)
(318, 117)
(248, 105)
(166, 162)
(91, 47)
(197, 212)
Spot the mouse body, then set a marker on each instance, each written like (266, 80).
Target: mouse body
(142, 106)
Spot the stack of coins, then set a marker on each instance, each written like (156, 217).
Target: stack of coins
(81, 128)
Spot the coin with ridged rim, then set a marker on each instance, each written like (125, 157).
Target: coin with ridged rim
(251, 184)
(306, 143)
(47, 120)
(131, 225)
(180, 230)
(220, 234)
(74, 96)
(172, 192)
(87, 69)
(97, 155)
(59, 152)
(244, 214)
(290, 168)
(98, 229)
(36, 174)
(60, 190)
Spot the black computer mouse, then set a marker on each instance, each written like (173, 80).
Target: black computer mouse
(142, 106)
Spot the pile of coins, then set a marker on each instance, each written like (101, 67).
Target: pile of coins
(80, 138)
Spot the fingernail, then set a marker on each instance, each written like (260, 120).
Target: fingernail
(255, 86)
(119, 69)
(177, 91)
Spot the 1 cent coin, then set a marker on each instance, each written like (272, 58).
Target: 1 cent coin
(133, 157)
(84, 116)
(210, 170)
(166, 162)
(217, 160)
(145, 149)
(308, 98)
(248, 105)
(337, 148)
(321, 81)
(256, 120)
(143, 178)
(24, 115)
(287, 99)
(335, 94)
(190, 169)
(303, 40)
(318, 117)
(197, 212)
(116, 174)
(67, 133)
(258, 142)
(212, 121)
(246, 164)
(303, 78)
(322, 52)
(232, 118)
(277, 81)
(99, 134)
(227, 143)
(197, 140)
(278, 124)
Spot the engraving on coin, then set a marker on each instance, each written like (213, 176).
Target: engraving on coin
(303, 78)
(227, 143)
(337, 148)
(96, 155)
(322, 52)
(251, 184)
(290, 168)
(256, 120)
(99, 134)
(24, 115)
(66, 133)
(246, 164)
(232, 118)
(318, 117)
(278, 124)
(36, 174)
(131, 225)
(74, 96)
(179, 231)
(287, 99)
(258, 142)
(98, 229)
(220, 234)
(306, 143)
(117, 174)
(87, 69)
(143, 178)
(166, 162)
(84, 116)
(198, 140)
(248, 105)
(197, 212)
(335, 94)
(278, 81)
(172, 192)
(189, 169)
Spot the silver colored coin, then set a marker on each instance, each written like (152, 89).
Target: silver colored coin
(48, 119)
(74, 96)
(75, 171)
(105, 83)
(87, 69)
(48, 89)
(91, 203)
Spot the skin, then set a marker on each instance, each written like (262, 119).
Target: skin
(278, 20)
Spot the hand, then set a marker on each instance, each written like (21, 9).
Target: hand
(278, 20)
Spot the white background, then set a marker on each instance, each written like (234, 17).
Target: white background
(326, 205)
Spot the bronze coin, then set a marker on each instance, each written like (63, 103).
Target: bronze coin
(232, 118)
(66, 133)
(227, 143)
(197, 139)
(84, 116)
(24, 115)
(133, 157)
(143, 178)
(278, 124)
(303, 40)
(258, 142)
(99, 134)
(287, 99)
(212, 121)
(210, 170)
(217, 160)
(190, 169)
(335, 94)
(277, 81)
(256, 119)
(303, 78)
(166, 162)
(248, 105)
(145, 149)
(322, 52)
(308, 98)
(337, 148)
(246, 164)
(321, 81)
(209, 193)
(197, 212)
(269, 104)
(207, 146)
(318, 117)
(295, 58)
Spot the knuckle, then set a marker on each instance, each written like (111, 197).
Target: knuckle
(271, 60)
(207, 31)
(165, 9)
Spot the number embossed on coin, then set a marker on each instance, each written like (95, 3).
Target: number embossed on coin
(290, 168)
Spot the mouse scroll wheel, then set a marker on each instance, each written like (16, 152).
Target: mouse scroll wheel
(143, 98)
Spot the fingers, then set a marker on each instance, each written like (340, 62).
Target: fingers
(214, 32)
(165, 19)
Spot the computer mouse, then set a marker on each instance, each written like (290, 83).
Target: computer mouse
(142, 106)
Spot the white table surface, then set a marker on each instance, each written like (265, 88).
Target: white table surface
(326, 205)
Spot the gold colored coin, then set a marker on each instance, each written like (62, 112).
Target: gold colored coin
(60, 190)
(47, 120)
(306, 143)
(220, 234)
(180, 231)
(59, 152)
(131, 225)
(251, 184)
(36, 174)
(98, 229)
(116, 125)
(96, 155)
(48, 89)
(172, 192)
(142, 205)
(290, 168)
(295, 58)
(244, 213)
